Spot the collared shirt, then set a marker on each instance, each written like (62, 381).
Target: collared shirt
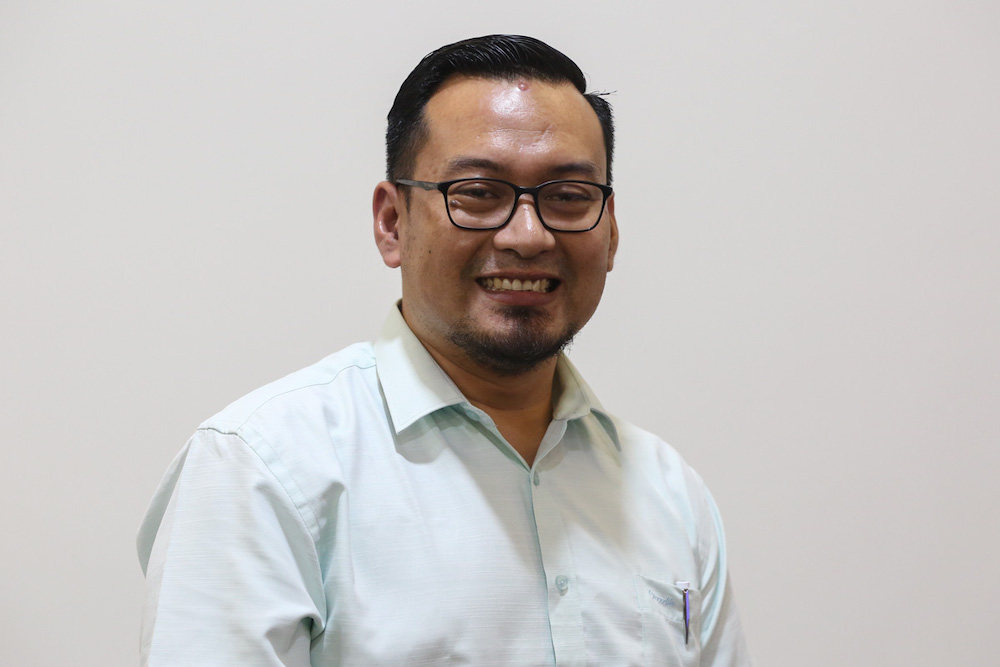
(362, 512)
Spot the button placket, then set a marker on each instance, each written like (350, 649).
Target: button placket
(565, 616)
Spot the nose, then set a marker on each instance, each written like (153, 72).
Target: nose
(524, 234)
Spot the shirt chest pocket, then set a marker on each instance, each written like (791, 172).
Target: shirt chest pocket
(671, 622)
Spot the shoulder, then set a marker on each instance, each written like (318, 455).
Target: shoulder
(650, 450)
(301, 426)
(651, 462)
(299, 395)
(288, 436)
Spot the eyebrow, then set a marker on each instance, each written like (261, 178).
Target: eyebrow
(470, 163)
(459, 164)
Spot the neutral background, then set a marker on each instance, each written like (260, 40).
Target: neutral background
(805, 302)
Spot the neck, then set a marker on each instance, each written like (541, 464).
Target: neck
(520, 405)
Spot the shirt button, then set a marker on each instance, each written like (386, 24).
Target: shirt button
(535, 479)
(562, 583)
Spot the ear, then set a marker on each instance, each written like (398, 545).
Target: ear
(386, 206)
(613, 223)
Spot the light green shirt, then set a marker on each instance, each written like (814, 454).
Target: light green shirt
(362, 512)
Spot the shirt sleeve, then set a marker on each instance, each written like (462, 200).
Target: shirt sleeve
(232, 574)
(722, 641)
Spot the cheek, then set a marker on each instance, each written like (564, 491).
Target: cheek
(590, 262)
(417, 246)
(430, 264)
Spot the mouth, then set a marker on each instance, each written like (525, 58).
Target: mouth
(497, 284)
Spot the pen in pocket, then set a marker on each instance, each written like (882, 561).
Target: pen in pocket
(686, 585)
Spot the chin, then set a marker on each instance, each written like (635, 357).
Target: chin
(526, 339)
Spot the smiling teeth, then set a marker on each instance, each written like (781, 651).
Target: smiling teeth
(516, 285)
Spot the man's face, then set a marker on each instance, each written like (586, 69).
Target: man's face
(527, 132)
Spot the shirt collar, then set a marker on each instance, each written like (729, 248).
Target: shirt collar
(414, 385)
(577, 399)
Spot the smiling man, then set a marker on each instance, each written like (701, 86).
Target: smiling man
(453, 493)
(496, 284)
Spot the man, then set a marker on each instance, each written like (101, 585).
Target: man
(453, 493)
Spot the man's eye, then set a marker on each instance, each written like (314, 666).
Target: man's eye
(569, 196)
(475, 191)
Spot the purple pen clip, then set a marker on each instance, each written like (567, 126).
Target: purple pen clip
(686, 585)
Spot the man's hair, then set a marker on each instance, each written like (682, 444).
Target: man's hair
(490, 57)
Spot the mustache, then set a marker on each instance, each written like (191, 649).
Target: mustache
(500, 264)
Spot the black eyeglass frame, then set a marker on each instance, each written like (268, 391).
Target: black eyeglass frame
(443, 186)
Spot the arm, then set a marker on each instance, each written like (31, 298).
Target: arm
(722, 640)
(232, 574)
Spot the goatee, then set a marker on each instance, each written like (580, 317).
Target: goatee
(517, 348)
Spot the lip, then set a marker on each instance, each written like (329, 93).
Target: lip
(520, 274)
(519, 297)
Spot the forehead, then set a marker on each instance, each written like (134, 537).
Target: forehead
(520, 125)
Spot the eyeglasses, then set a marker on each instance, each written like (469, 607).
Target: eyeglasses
(489, 203)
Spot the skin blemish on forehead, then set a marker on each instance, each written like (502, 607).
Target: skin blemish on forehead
(522, 84)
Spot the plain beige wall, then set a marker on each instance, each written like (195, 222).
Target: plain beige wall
(805, 301)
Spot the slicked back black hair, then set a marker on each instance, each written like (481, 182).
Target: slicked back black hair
(491, 57)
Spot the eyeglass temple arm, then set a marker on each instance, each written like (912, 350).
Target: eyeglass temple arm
(425, 185)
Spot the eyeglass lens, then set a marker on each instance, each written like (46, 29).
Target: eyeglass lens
(562, 205)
